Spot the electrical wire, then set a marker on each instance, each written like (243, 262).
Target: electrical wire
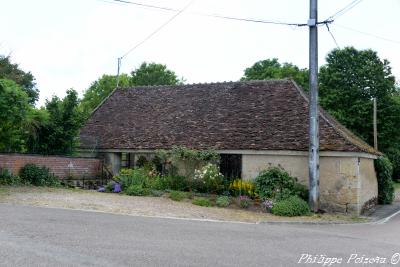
(215, 15)
(369, 34)
(345, 9)
(333, 37)
(156, 30)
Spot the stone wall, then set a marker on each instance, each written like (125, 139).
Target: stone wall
(346, 183)
(61, 167)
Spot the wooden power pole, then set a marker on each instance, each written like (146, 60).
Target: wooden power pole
(375, 127)
(313, 163)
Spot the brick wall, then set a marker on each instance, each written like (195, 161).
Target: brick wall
(58, 165)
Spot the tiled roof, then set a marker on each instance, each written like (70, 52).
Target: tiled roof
(257, 115)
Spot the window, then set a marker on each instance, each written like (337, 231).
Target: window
(125, 160)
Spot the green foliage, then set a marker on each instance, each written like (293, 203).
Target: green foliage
(384, 172)
(136, 190)
(208, 179)
(176, 182)
(244, 202)
(292, 206)
(146, 74)
(7, 178)
(201, 201)
(276, 183)
(184, 153)
(153, 74)
(223, 201)
(109, 187)
(57, 135)
(14, 108)
(156, 193)
(178, 195)
(99, 90)
(348, 83)
(270, 69)
(24, 79)
(128, 177)
(239, 187)
(393, 154)
(39, 176)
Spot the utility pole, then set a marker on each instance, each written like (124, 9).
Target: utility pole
(118, 70)
(313, 163)
(375, 127)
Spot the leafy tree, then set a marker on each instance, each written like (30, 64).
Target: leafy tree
(99, 90)
(349, 82)
(154, 74)
(270, 69)
(14, 107)
(24, 79)
(58, 134)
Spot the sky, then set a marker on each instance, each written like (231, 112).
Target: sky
(71, 43)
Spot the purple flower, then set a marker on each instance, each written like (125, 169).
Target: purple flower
(101, 189)
(117, 188)
(267, 204)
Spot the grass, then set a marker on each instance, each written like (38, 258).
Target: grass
(178, 195)
(201, 201)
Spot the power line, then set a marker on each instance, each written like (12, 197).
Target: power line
(333, 37)
(369, 34)
(345, 9)
(276, 22)
(158, 29)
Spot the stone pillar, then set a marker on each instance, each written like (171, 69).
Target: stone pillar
(113, 161)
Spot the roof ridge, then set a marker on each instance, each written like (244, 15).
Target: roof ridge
(338, 127)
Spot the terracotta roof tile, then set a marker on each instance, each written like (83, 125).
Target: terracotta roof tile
(260, 115)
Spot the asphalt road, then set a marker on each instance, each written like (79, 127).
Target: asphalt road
(31, 236)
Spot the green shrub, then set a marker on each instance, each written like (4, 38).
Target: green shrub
(244, 202)
(178, 195)
(177, 183)
(223, 201)
(6, 178)
(276, 183)
(128, 177)
(208, 179)
(393, 154)
(292, 206)
(201, 201)
(39, 176)
(136, 190)
(384, 171)
(109, 187)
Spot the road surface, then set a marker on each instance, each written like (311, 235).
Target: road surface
(33, 236)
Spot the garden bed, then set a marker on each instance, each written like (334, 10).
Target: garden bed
(144, 206)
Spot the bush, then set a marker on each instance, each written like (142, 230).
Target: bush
(6, 178)
(276, 183)
(201, 201)
(239, 187)
(394, 156)
(244, 202)
(128, 177)
(39, 176)
(178, 195)
(223, 201)
(384, 171)
(156, 193)
(136, 190)
(177, 183)
(292, 206)
(208, 179)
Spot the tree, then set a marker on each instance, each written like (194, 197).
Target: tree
(99, 90)
(58, 133)
(146, 74)
(24, 79)
(14, 107)
(154, 74)
(270, 69)
(348, 83)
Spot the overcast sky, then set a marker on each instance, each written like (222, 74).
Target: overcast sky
(70, 43)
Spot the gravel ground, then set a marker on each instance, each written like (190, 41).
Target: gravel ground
(142, 206)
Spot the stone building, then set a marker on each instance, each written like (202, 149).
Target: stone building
(252, 124)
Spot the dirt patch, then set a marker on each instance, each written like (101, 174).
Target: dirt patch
(147, 206)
